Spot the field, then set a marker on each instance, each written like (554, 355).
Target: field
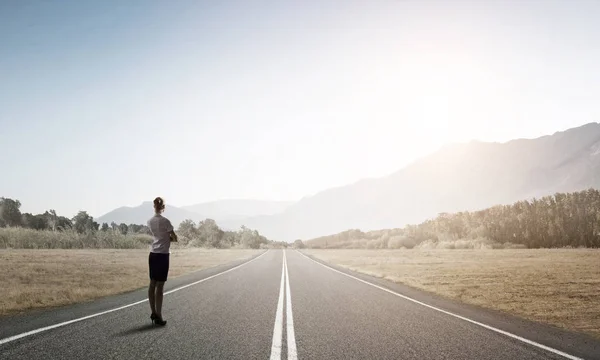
(45, 278)
(555, 286)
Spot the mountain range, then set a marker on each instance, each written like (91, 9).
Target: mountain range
(457, 177)
(230, 210)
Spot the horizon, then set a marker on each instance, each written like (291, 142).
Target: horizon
(197, 102)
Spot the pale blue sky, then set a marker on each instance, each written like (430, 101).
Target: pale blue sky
(110, 103)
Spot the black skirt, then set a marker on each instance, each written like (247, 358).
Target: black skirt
(159, 266)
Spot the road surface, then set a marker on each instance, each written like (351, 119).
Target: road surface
(284, 305)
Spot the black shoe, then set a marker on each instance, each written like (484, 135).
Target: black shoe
(159, 321)
(153, 316)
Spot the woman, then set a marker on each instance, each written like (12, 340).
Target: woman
(158, 260)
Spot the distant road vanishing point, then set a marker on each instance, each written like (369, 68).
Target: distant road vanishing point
(283, 304)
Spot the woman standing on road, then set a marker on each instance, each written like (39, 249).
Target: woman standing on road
(158, 260)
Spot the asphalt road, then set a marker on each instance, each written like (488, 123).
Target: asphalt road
(284, 305)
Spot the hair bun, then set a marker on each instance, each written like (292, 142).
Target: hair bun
(159, 204)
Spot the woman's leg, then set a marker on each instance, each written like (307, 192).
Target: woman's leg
(152, 296)
(159, 298)
(161, 274)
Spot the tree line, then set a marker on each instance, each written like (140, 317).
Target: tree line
(82, 222)
(204, 234)
(560, 220)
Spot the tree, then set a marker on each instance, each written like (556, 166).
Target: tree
(298, 244)
(134, 228)
(144, 229)
(123, 228)
(27, 220)
(230, 238)
(210, 234)
(10, 215)
(187, 231)
(104, 227)
(51, 219)
(245, 236)
(251, 238)
(36, 222)
(83, 222)
(63, 223)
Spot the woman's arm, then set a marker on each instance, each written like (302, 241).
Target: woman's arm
(171, 230)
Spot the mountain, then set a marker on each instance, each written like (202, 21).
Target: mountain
(231, 209)
(140, 214)
(221, 211)
(457, 177)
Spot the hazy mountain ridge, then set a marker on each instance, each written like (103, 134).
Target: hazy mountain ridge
(468, 176)
(141, 213)
(237, 209)
(220, 211)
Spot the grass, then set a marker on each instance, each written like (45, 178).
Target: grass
(21, 238)
(46, 278)
(554, 286)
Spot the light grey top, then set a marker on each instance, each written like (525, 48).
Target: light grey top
(160, 227)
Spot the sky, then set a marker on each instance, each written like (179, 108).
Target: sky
(111, 103)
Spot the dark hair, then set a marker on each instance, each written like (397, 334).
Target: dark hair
(159, 204)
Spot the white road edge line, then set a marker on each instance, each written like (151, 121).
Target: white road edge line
(291, 337)
(278, 327)
(36, 331)
(533, 343)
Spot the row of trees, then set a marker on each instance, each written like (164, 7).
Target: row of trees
(10, 215)
(571, 219)
(208, 234)
(561, 220)
(204, 234)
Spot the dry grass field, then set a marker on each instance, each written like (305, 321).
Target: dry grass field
(555, 286)
(45, 278)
